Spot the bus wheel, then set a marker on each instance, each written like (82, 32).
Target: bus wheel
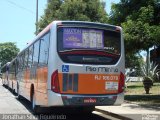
(35, 108)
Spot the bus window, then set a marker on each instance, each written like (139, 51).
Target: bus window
(88, 45)
(16, 65)
(21, 61)
(13, 69)
(43, 56)
(30, 58)
(36, 53)
(26, 59)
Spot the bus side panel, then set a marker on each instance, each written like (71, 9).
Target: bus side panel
(14, 83)
(9, 80)
(41, 88)
(22, 84)
(6, 82)
(39, 82)
(27, 83)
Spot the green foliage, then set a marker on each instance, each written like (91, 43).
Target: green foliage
(140, 21)
(137, 89)
(138, 36)
(8, 51)
(150, 72)
(134, 61)
(50, 13)
(133, 8)
(146, 14)
(155, 34)
(81, 10)
(72, 10)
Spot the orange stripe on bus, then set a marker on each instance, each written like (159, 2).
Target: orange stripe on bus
(40, 84)
(41, 91)
(91, 83)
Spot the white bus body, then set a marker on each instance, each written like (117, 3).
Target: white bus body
(77, 64)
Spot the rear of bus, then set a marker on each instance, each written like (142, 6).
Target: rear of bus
(88, 65)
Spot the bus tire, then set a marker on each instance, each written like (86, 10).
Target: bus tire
(35, 108)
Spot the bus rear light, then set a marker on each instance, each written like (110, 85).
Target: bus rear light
(55, 82)
(121, 83)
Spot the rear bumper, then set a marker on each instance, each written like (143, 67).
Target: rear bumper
(55, 99)
(93, 100)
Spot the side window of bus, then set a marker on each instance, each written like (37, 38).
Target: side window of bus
(36, 53)
(21, 61)
(26, 59)
(17, 64)
(13, 68)
(44, 48)
(9, 70)
(30, 57)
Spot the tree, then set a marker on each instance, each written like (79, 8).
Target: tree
(134, 61)
(82, 10)
(123, 9)
(50, 14)
(8, 51)
(138, 36)
(140, 21)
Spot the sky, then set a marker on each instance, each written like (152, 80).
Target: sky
(18, 17)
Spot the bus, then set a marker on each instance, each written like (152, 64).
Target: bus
(4, 72)
(74, 64)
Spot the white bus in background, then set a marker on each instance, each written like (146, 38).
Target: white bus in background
(72, 64)
(5, 74)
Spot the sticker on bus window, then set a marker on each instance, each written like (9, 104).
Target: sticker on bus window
(82, 38)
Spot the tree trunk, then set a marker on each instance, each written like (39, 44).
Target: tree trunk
(147, 90)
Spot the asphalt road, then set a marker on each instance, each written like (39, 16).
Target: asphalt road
(12, 108)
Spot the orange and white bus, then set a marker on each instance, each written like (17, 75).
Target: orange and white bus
(71, 63)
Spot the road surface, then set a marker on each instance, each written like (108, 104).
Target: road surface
(12, 108)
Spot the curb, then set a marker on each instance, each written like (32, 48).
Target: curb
(112, 114)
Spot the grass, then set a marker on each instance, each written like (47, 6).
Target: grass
(135, 93)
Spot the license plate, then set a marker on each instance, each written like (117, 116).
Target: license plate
(90, 100)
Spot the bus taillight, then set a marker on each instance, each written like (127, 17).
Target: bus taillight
(121, 83)
(55, 82)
